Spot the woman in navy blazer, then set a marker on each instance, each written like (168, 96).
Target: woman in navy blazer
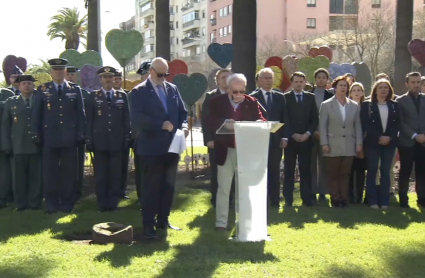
(381, 124)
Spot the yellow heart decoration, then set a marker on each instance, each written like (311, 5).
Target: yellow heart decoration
(278, 75)
(129, 85)
(41, 78)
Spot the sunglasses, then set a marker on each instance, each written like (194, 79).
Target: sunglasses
(161, 75)
(238, 92)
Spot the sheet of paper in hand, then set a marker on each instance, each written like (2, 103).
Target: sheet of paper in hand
(178, 145)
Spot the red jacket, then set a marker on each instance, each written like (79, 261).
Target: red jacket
(220, 110)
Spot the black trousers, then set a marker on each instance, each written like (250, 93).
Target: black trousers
(357, 180)
(138, 177)
(273, 175)
(6, 189)
(214, 182)
(408, 155)
(108, 178)
(302, 151)
(80, 169)
(159, 179)
(59, 175)
(124, 173)
(28, 182)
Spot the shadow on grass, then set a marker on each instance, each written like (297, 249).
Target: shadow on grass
(351, 271)
(210, 249)
(408, 262)
(27, 268)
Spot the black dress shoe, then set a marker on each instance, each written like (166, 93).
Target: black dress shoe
(322, 197)
(289, 205)
(308, 204)
(150, 233)
(167, 225)
(275, 204)
(406, 206)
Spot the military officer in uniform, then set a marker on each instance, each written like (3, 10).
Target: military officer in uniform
(108, 135)
(14, 87)
(126, 154)
(58, 123)
(72, 78)
(6, 192)
(17, 142)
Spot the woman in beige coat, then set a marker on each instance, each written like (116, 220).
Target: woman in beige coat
(341, 139)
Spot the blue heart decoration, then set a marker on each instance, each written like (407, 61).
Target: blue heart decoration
(221, 54)
(191, 88)
(336, 70)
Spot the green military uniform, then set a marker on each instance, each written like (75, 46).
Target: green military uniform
(6, 194)
(27, 160)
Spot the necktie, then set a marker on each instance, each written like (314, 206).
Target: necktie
(108, 97)
(60, 91)
(27, 103)
(269, 102)
(163, 98)
(299, 100)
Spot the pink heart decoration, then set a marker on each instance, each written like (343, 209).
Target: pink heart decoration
(290, 64)
(9, 63)
(89, 78)
(417, 50)
(323, 50)
(177, 67)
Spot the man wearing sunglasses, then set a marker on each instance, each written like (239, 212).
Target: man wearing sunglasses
(156, 112)
(233, 106)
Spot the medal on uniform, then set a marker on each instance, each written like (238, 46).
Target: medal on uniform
(99, 113)
(14, 107)
(48, 106)
(15, 119)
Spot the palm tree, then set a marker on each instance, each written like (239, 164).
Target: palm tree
(404, 29)
(67, 25)
(245, 39)
(35, 69)
(93, 32)
(162, 32)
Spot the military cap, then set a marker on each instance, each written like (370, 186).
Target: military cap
(106, 71)
(144, 68)
(71, 69)
(16, 70)
(25, 77)
(118, 74)
(58, 63)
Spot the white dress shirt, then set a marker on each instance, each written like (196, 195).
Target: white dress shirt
(298, 94)
(265, 94)
(383, 113)
(112, 91)
(342, 109)
(62, 85)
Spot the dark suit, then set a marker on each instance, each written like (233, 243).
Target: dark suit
(81, 155)
(300, 117)
(318, 171)
(159, 167)
(412, 120)
(108, 135)
(275, 151)
(124, 164)
(58, 122)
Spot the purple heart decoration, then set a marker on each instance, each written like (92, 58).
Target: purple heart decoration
(336, 70)
(9, 63)
(89, 78)
(417, 50)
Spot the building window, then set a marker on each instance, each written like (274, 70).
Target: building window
(203, 14)
(177, 40)
(177, 25)
(198, 50)
(190, 16)
(311, 23)
(225, 11)
(212, 36)
(311, 3)
(171, 10)
(224, 31)
(229, 8)
(177, 9)
(336, 6)
(221, 12)
(204, 48)
(377, 3)
(351, 7)
(204, 32)
(149, 48)
(221, 32)
(146, 7)
(229, 29)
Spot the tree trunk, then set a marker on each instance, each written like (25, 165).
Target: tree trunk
(162, 32)
(93, 22)
(404, 29)
(245, 40)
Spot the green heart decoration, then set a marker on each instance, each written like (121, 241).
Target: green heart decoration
(309, 65)
(77, 59)
(364, 76)
(191, 88)
(124, 45)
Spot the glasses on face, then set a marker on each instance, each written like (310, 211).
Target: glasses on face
(238, 92)
(161, 75)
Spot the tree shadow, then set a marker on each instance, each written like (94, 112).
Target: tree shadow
(404, 263)
(202, 257)
(26, 268)
(351, 271)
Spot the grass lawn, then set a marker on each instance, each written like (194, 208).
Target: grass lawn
(307, 242)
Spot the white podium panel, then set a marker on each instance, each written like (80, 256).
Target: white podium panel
(252, 148)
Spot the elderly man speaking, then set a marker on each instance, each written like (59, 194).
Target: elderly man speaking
(157, 111)
(233, 106)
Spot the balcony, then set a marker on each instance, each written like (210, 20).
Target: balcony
(191, 42)
(213, 21)
(193, 24)
(193, 4)
(149, 40)
(148, 25)
(148, 12)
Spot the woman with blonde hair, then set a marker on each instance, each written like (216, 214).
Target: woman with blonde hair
(381, 124)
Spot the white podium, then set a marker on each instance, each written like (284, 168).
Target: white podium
(252, 148)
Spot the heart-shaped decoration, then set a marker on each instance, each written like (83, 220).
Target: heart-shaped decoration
(176, 67)
(309, 65)
(276, 61)
(129, 85)
(417, 50)
(124, 45)
(41, 78)
(323, 50)
(364, 76)
(191, 88)
(89, 78)
(290, 64)
(336, 70)
(278, 75)
(221, 54)
(78, 59)
(211, 79)
(9, 63)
